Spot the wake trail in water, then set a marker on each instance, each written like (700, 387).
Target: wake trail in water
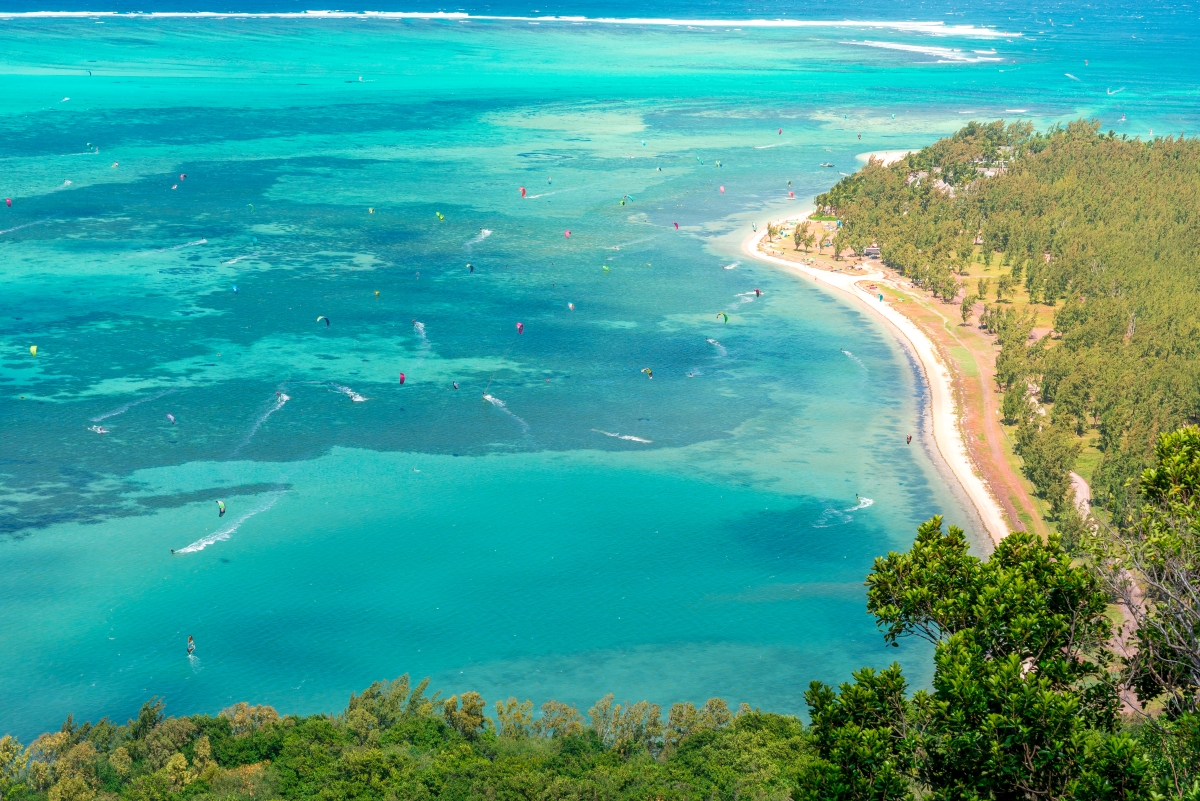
(745, 297)
(720, 348)
(768, 147)
(863, 503)
(732, 266)
(236, 259)
(130, 405)
(484, 233)
(26, 225)
(349, 393)
(180, 247)
(499, 404)
(228, 530)
(280, 399)
(629, 437)
(855, 358)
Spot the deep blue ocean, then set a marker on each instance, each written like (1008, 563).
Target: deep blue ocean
(230, 235)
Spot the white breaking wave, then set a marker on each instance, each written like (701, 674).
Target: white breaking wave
(629, 437)
(944, 54)
(932, 27)
(499, 404)
(768, 147)
(720, 348)
(229, 528)
(1072, 77)
(732, 266)
(349, 393)
(420, 329)
(130, 405)
(236, 259)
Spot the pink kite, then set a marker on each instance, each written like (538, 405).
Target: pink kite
(722, 190)
(182, 176)
(676, 226)
(791, 194)
(781, 131)
(520, 328)
(402, 379)
(567, 234)
(522, 191)
(8, 200)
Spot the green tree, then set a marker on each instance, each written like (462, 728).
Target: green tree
(966, 308)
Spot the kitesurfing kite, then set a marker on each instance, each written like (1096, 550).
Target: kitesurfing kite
(649, 373)
(676, 226)
(326, 319)
(567, 234)
(440, 216)
(33, 350)
(520, 328)
(221, 507)
(8, 200)
(723, 315)
(402, 379)
(171, 417)
(522, 191)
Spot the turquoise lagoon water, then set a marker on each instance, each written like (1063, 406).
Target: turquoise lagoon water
(558, 526)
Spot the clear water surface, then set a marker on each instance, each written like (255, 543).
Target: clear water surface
(558, 526)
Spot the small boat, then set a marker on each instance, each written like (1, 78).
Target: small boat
(826, 164)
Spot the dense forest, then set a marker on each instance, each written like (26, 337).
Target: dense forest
(1103, 228)
(1026, 703)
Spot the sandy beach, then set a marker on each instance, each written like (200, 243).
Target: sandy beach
(888, 157)
(947, 434)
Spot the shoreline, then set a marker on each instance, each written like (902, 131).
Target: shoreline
(944, 414)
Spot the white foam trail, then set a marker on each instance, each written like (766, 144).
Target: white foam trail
(349, 393)
(1115, 91)
(933, 27)
(484, 233)
(280, 399)
(499, 404)
(184, 245)
(1072, 77)
(720, 348)
(26, 225)
(855, 358)
(948, 55)
(236, 259)
(746, 297)
(419, 327)
(130, 405)
(629, 437)
(98, 429)
(732, 266)
(863, 503)
(768, 147)
(1016, 110)
(224, 533)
